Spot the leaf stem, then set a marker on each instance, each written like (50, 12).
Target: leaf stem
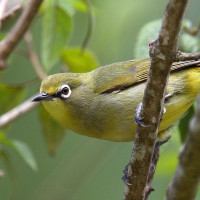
(33, 56)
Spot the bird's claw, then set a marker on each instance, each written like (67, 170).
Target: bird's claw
(138, 119)
(125, 177)
(164, 110)
(125, 180)
(152, 168)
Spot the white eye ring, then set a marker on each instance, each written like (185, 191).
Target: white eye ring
(65, 91)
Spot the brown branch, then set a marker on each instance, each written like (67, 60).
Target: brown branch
(181, 56)
(186, 178)
(33, 56)
(12, 39)
(163, 52)
(148, 188)
(17, 112)
(3, 5)
(9, 12)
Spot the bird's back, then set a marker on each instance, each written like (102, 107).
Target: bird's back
(120, 88)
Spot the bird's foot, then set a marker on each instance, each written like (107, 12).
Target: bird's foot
(138, 118)
(125, 177)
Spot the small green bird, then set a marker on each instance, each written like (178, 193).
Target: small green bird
(102, 103)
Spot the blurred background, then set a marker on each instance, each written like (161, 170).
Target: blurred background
(85, 168)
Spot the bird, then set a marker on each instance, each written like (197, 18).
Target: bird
(102, 103)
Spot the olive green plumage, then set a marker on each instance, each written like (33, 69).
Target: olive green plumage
(102, 103)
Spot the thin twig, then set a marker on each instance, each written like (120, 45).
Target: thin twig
(17, 112)
(6, 11)
(181, 56)
(192, 31)
(90, 24)
(12, 39)
(163, 53)
(33, 56)
(11, 12)
(186, 178)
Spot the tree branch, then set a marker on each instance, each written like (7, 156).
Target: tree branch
(11, 12)
(181, 56)
(192, 31)
(17, 112)
(11, 40)
(186, 178)
(163, 53)
(7, 11)
(3, 5)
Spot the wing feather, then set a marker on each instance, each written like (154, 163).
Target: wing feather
(122, 75)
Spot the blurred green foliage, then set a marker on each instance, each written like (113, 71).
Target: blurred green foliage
(184, 124)
(84, 168)
(53, 131)
(56, 29)
(22, 149)
(79, 60)
(11, 96)
(147, 33)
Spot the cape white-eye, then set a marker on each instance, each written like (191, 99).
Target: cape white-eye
(102, 103)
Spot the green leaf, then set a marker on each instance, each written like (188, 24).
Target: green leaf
(53, 131)
(79, 61)
(184, 124)
(25, 153)
(10, 97)
(188, 43)
(21, 149)
(67, 6)
(148, 33)
(80, 6)
(56, 29)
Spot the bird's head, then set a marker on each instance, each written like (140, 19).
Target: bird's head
(65, 96)
(58, 86)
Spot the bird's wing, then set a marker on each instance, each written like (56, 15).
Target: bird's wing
(122, 75)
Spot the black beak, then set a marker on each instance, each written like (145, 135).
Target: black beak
(42, 97)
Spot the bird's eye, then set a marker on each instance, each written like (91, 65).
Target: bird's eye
(65, 91)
